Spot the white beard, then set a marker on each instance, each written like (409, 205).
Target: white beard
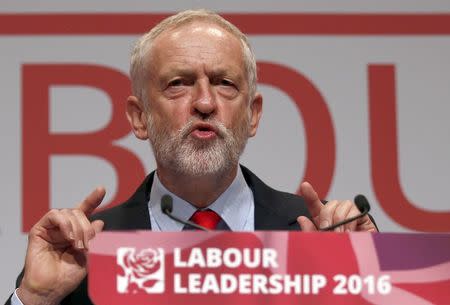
(194, 157)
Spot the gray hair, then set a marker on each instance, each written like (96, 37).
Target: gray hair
(139, 55)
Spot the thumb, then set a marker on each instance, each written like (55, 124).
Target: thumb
(312, 200)
(306, 224)
(97, 225)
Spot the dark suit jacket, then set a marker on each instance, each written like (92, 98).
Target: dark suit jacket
(274, 210)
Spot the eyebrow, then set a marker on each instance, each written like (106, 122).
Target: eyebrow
(191, 73)
(183, 72)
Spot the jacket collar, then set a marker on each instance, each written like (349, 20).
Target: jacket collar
(271, 213)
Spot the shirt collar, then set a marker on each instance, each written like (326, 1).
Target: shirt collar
(234, 206)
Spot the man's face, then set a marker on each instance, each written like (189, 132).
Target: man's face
(199, 109)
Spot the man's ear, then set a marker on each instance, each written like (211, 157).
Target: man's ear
(137, 117)
(256, 113)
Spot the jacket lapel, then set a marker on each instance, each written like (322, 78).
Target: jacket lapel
(269, 206)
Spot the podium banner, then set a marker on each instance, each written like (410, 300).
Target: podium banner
(276, 268)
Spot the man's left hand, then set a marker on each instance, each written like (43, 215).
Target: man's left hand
(324, 215)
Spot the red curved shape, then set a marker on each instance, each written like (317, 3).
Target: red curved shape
(319, 131)
(384, 157)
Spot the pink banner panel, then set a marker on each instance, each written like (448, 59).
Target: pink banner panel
(269, 268)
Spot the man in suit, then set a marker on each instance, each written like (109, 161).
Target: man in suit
(195, 99)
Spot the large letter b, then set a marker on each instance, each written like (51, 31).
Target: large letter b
(39, 144)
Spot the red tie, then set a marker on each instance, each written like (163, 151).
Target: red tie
(206, 218)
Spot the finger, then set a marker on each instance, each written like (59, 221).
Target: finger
(342, 213)
(306, 224)
(87, 229)
(312, 200)
(325, 218)
(365, 224)
(351, 226)
(98, 225)
(77, 228)
(53, 221)
(92, 201)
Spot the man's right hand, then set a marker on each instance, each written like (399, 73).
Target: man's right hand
(55, 262)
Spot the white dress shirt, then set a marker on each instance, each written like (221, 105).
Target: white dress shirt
(235, 206)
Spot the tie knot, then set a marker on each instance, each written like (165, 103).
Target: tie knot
(206, 218)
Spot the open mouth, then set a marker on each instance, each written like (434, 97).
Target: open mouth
(204, 131)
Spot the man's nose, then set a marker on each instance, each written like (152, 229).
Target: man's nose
(203, 101)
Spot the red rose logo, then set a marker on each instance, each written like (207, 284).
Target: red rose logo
(143, 264)
(142, 271)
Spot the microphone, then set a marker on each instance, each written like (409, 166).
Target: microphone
(167, 207)
(363, 206)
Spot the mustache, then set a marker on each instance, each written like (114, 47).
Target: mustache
(220, 129)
